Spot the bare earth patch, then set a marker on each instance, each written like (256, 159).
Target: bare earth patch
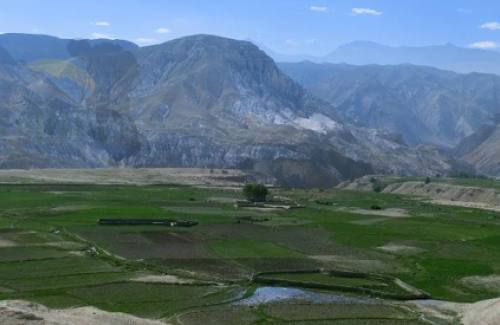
(69, 208)
(400, 249)
(486, 312)
(464, 204)
(7, 243)
(24, 312)
(169, 279)
(489, 283)
(450, 194)
(392, 212)
(77, 253)
(435, 192)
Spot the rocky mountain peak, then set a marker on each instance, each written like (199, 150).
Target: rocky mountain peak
(232, 81)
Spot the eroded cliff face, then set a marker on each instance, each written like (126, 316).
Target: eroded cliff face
(482, 150)
(422, 104)
(200, 101)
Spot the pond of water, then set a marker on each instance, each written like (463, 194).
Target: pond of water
(265, 295)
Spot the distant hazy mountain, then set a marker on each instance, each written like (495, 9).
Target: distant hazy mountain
(199, 101)
(446, 57)
(424, 105)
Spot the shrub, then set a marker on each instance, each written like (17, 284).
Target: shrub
(427, 180)
(255, 192)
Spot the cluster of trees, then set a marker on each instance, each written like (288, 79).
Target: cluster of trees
(255, 192)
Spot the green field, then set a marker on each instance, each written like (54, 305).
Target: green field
(53, 252)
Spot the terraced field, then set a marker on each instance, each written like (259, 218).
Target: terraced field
(329, 261)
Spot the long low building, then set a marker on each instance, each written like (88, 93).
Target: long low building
(153, 222)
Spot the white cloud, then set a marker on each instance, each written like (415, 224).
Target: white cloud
(493, 25)
(484, 45)
(100, 36)
(146, 41)
(366, 11)
(292, 42)
(318, 8)
(163, 30)
(311, 41)
(101, 23)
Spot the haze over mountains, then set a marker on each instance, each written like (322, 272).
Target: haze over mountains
(446, 57)
(207, 101)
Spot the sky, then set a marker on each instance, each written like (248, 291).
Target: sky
(284, 26)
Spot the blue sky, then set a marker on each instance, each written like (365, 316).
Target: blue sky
(286, 26)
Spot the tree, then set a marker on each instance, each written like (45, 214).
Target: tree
(427, 180)
(377, 187)
(255, 192)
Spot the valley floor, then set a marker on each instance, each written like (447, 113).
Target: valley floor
(344, 258)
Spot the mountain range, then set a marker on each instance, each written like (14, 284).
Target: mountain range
(445, 57)
(208, 101)
(423, 104)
